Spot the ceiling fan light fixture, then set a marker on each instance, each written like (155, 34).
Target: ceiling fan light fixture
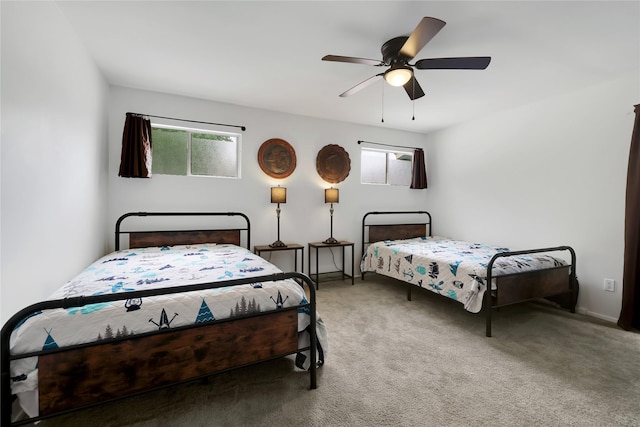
(398, 75)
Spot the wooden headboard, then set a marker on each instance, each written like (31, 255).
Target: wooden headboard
(396, 231)
(142, 239)
(391, 229)
(147, 238)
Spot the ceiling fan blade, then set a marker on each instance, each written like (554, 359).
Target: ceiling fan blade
(413, 89)
(425, 31)
(362, 85)
(352, 60)
(469, 63)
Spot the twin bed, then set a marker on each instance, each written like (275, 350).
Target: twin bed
(462, 270)
(172, 307)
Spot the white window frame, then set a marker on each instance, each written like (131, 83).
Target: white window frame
(191, 131)
(386, 172)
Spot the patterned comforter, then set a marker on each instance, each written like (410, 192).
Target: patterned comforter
(147, 268)
(448, 267)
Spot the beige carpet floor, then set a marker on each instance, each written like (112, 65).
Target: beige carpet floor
(425, 362)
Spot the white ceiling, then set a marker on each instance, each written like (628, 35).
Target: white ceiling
(267, 54)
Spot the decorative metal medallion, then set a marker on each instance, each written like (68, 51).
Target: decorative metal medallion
(277, 158)
(333, 163)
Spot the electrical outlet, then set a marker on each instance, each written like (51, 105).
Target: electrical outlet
(609, 285)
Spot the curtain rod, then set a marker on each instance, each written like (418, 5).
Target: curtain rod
(192, 121)
(389, 145)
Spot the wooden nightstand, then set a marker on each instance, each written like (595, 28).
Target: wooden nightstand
(320, 245)
(295, 247)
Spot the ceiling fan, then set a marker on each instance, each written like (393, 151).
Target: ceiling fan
(396, 54)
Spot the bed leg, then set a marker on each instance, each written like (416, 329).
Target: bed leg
(6, 402)
(313, 337)
(408, 292)
(487, 308)
(5, 414)
(574, 295)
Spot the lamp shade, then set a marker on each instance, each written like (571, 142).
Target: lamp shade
(331, 195)
(278, 194)
(398, 76)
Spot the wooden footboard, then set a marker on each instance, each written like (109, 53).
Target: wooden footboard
(534, 284)
(85, 375)
(79, 377)
(528, 285)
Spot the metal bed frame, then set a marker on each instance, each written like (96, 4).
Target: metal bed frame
(529, 281)
(6, 397)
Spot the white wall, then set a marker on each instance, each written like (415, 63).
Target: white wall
(547, 174)
(304, 218)
(54, 154)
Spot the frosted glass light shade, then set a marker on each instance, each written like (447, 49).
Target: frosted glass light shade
(398, 76)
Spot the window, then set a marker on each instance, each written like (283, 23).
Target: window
(194, 152)
(385, 167)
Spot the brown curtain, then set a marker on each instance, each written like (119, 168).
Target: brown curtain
(630, 313)
(419, 174)
(135, 161)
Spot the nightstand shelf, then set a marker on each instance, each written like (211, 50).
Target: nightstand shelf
(321, 245)
(295, 247)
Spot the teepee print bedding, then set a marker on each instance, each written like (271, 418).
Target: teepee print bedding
(452, 268)
(149, 268)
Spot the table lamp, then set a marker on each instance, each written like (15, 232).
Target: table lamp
(331, 195)
(278, 195)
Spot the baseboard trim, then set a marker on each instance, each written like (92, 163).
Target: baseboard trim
(586, 312)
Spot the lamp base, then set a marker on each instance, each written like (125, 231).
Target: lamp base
(331, 241)
(278, 244)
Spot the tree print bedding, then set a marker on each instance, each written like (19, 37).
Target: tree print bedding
(452, 268)
(147, 268)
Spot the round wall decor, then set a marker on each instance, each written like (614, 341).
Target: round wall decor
(333, 163)
(277, 158)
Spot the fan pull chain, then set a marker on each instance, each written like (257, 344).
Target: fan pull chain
(382, 112)
(413, 100)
